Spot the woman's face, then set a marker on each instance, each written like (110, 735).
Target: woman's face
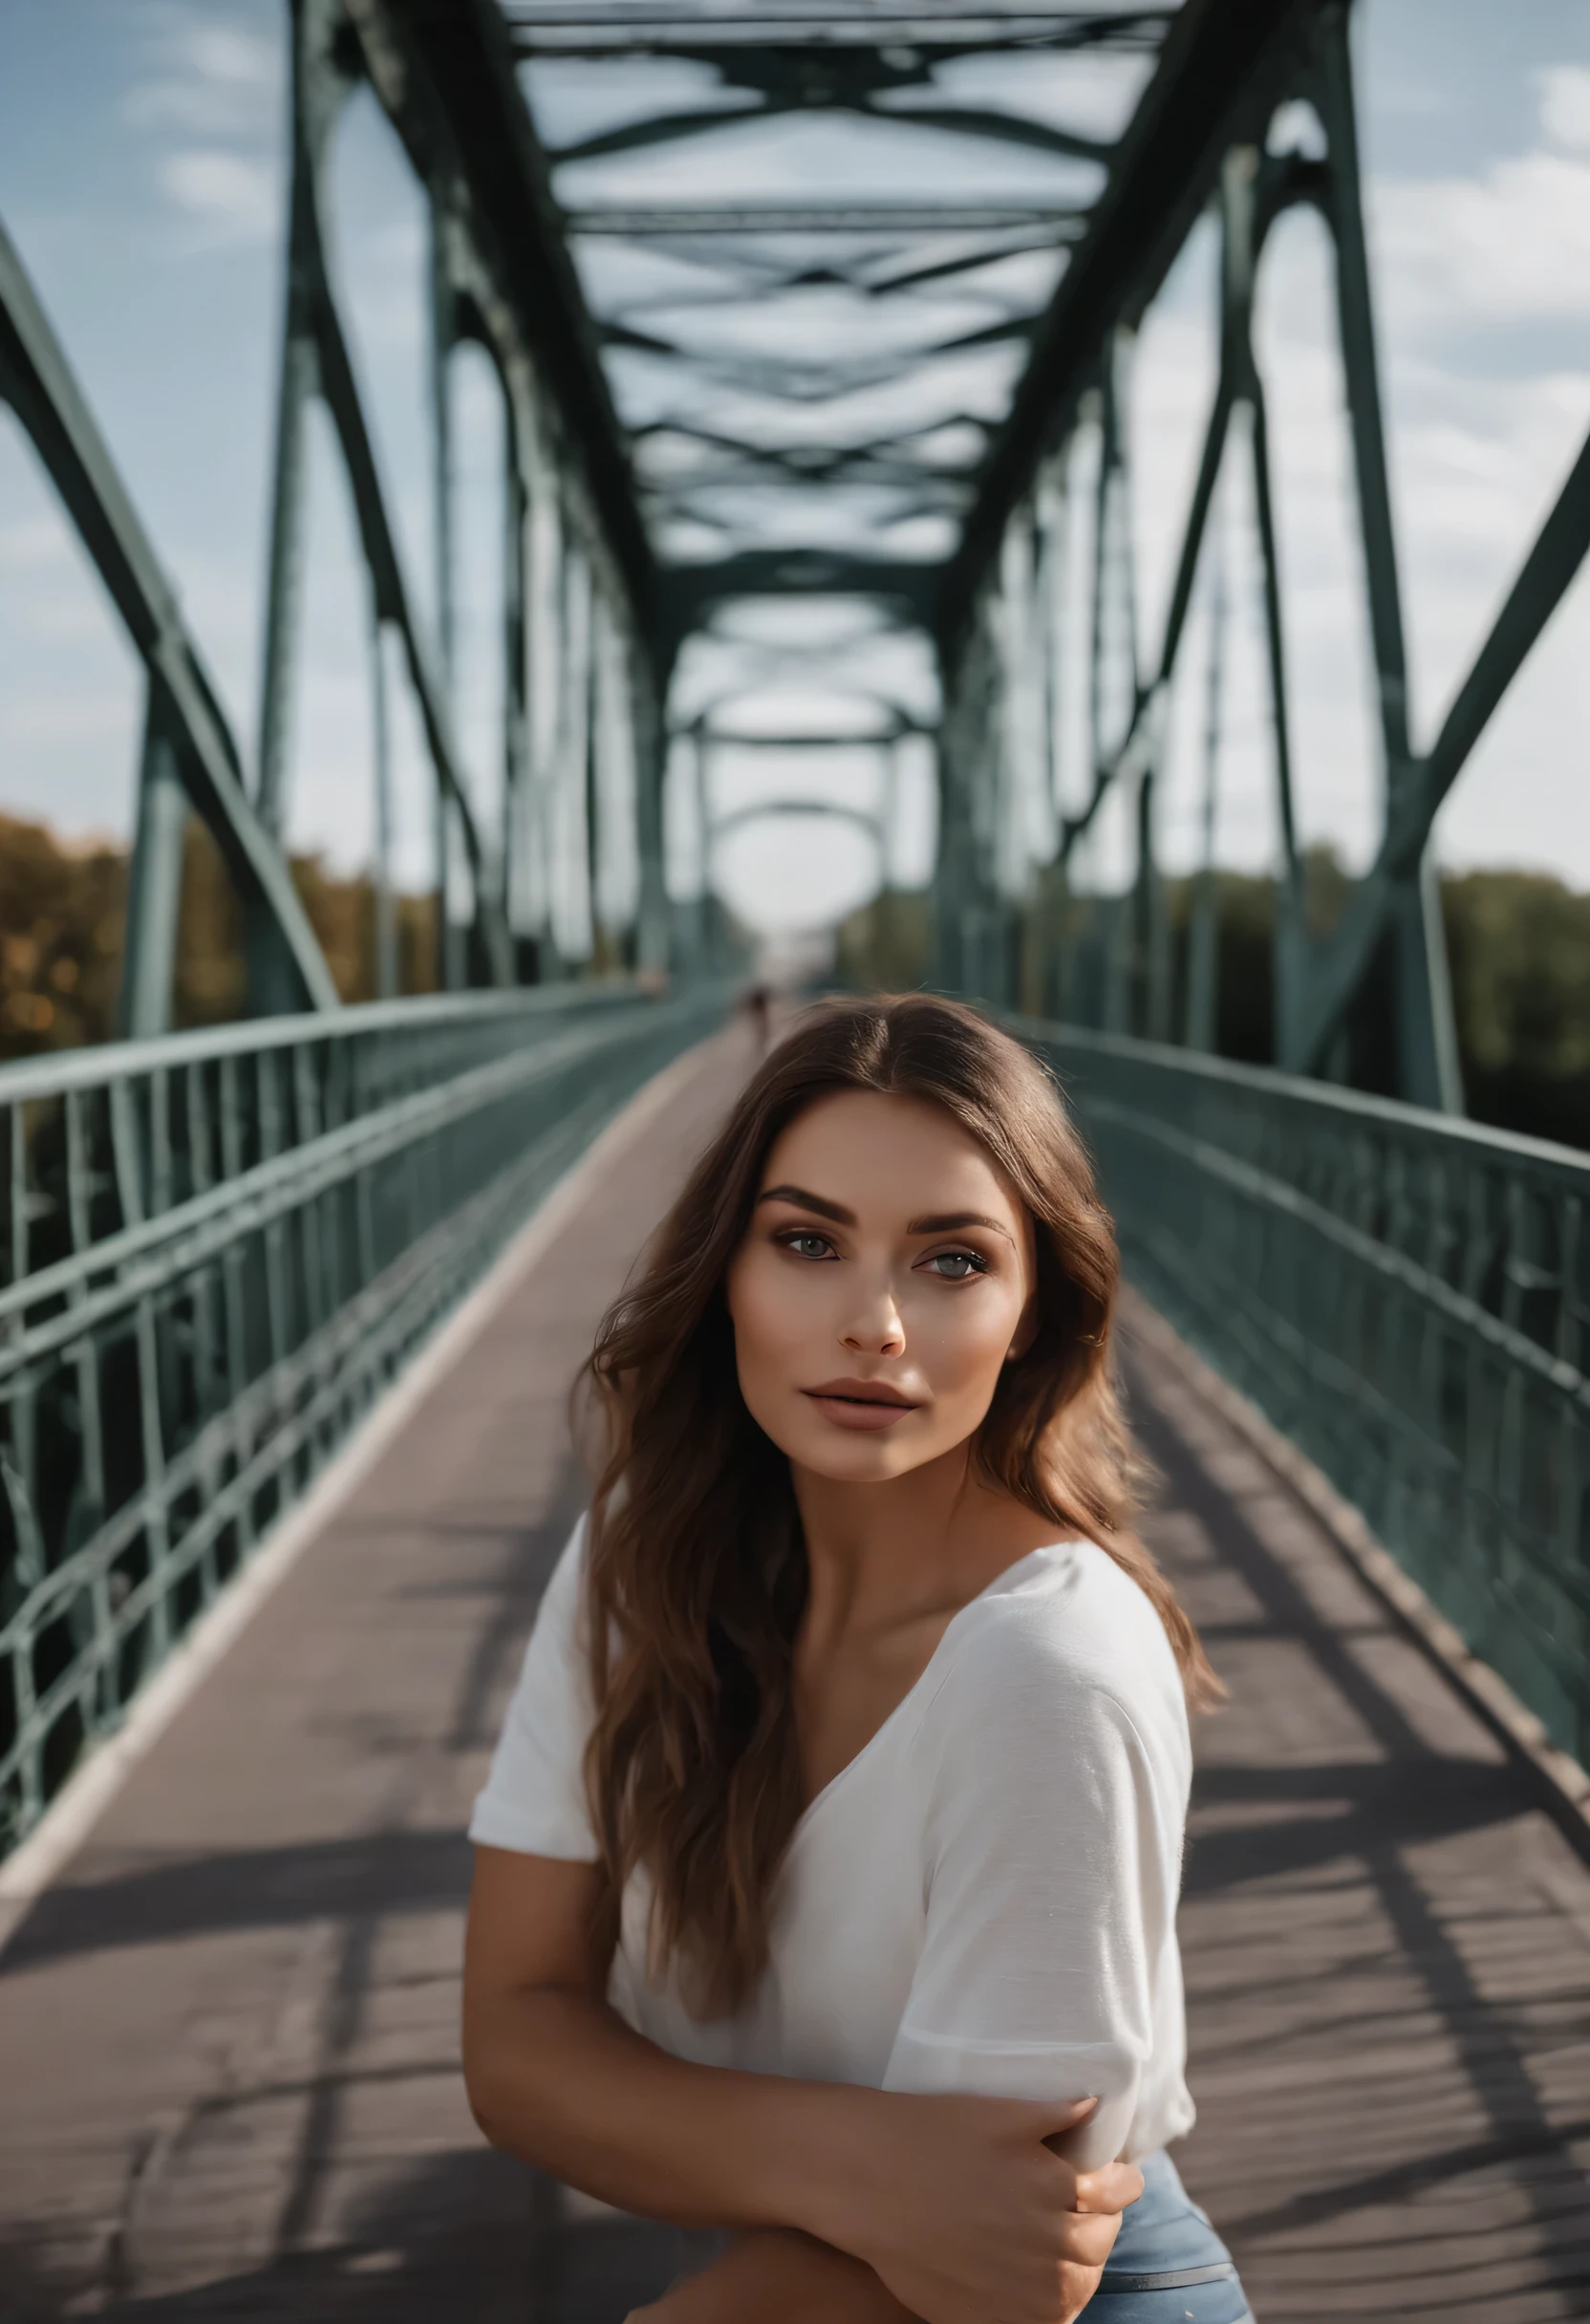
(886, 1276)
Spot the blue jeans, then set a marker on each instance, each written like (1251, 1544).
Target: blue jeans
(1169, 2266)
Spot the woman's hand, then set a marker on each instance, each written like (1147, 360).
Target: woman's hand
(954, 2202)
(968, 2218)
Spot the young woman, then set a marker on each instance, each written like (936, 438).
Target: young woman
(828, 1866)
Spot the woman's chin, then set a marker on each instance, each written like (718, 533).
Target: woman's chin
(851, 1457)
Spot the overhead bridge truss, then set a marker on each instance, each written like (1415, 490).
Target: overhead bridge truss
(582, 732)
(1009, 920)
(776, 469)
(219, 1245)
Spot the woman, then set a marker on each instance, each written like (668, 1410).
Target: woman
(828, 1866)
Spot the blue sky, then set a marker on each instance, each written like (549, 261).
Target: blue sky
(141, 175)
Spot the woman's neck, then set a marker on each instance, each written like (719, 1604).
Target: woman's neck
(920, 1544)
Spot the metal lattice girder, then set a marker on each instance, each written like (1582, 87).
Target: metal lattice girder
(1386, 955)
(190, 735)
(445, 72)
(879, 66)
(599, 30)
(315, 359)
(888, 220)
(844, 810)
(1163, 171)
(504, 279)
(691, 589)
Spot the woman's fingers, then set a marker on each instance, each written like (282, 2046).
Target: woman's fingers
(1109, 2189)
(1089, 2237)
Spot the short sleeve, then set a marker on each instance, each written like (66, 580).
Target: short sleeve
(1053, 1863)
(534, 1798)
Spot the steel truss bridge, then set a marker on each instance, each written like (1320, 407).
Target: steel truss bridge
(219, 1249)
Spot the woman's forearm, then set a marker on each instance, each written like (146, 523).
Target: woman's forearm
(776, 2276)
(556, 2077)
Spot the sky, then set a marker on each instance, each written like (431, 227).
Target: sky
(141, 171)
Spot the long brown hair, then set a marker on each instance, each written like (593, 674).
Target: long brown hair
(696, 1574)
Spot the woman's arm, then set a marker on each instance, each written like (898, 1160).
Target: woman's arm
(774, 2276)
(954, 2202)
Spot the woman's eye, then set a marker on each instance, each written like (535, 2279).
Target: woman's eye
(954, 1267)
(807, 1247)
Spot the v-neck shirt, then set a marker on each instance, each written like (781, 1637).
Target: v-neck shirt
(983, 1899)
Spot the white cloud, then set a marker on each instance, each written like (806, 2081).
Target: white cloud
(209, 80)
(1565, 106)
(35, 545)
(1511, 246)
(232, 197)
(209, 109)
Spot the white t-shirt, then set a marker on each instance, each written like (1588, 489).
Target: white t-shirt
(984, 1900)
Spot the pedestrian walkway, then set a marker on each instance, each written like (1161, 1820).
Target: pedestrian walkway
(228, 2080)
(1386, 1937)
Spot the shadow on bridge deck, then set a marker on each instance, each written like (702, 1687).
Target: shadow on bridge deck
(228, 2037)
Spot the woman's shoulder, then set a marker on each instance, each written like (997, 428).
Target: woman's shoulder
(1065, 1632)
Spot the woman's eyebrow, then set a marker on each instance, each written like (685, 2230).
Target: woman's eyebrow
(945, 1222)
(803, 1201)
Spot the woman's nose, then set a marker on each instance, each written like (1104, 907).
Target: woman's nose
(875, 1327)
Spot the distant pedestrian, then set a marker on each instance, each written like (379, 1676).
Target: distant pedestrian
(758, 1016)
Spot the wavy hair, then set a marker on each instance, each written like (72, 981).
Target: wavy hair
(697, 1568)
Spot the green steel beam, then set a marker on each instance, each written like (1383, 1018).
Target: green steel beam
(144, 1003)
(693, 589)
(504, 279)
(316, 353)
(38, 383)
(1548, 572)
(935, 32)
(840, 810)
(1163, 170)
(444, 71)
(876, 219)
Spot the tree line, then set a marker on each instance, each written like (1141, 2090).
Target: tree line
(1518, 943)
(63, 916)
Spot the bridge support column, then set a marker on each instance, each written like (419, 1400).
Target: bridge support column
(451, 971)
(1203, 933)
(1420, 990)
(651, 930)
(155, 886)
(387, 977)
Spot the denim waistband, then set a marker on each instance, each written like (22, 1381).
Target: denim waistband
(1166, 2242)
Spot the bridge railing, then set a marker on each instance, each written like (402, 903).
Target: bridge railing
(1405, 1296)
(215, 1249)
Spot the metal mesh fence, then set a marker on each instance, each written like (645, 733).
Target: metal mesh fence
(215, 1250)
(1405, 1296)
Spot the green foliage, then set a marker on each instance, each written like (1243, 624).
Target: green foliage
(1244, 985)
(1519, 947)
(883, 947)
(1519, 944)
(63, 916)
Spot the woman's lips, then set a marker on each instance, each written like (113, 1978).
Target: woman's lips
(859, 1403)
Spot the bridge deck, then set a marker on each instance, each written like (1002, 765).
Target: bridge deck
(228, 2046)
